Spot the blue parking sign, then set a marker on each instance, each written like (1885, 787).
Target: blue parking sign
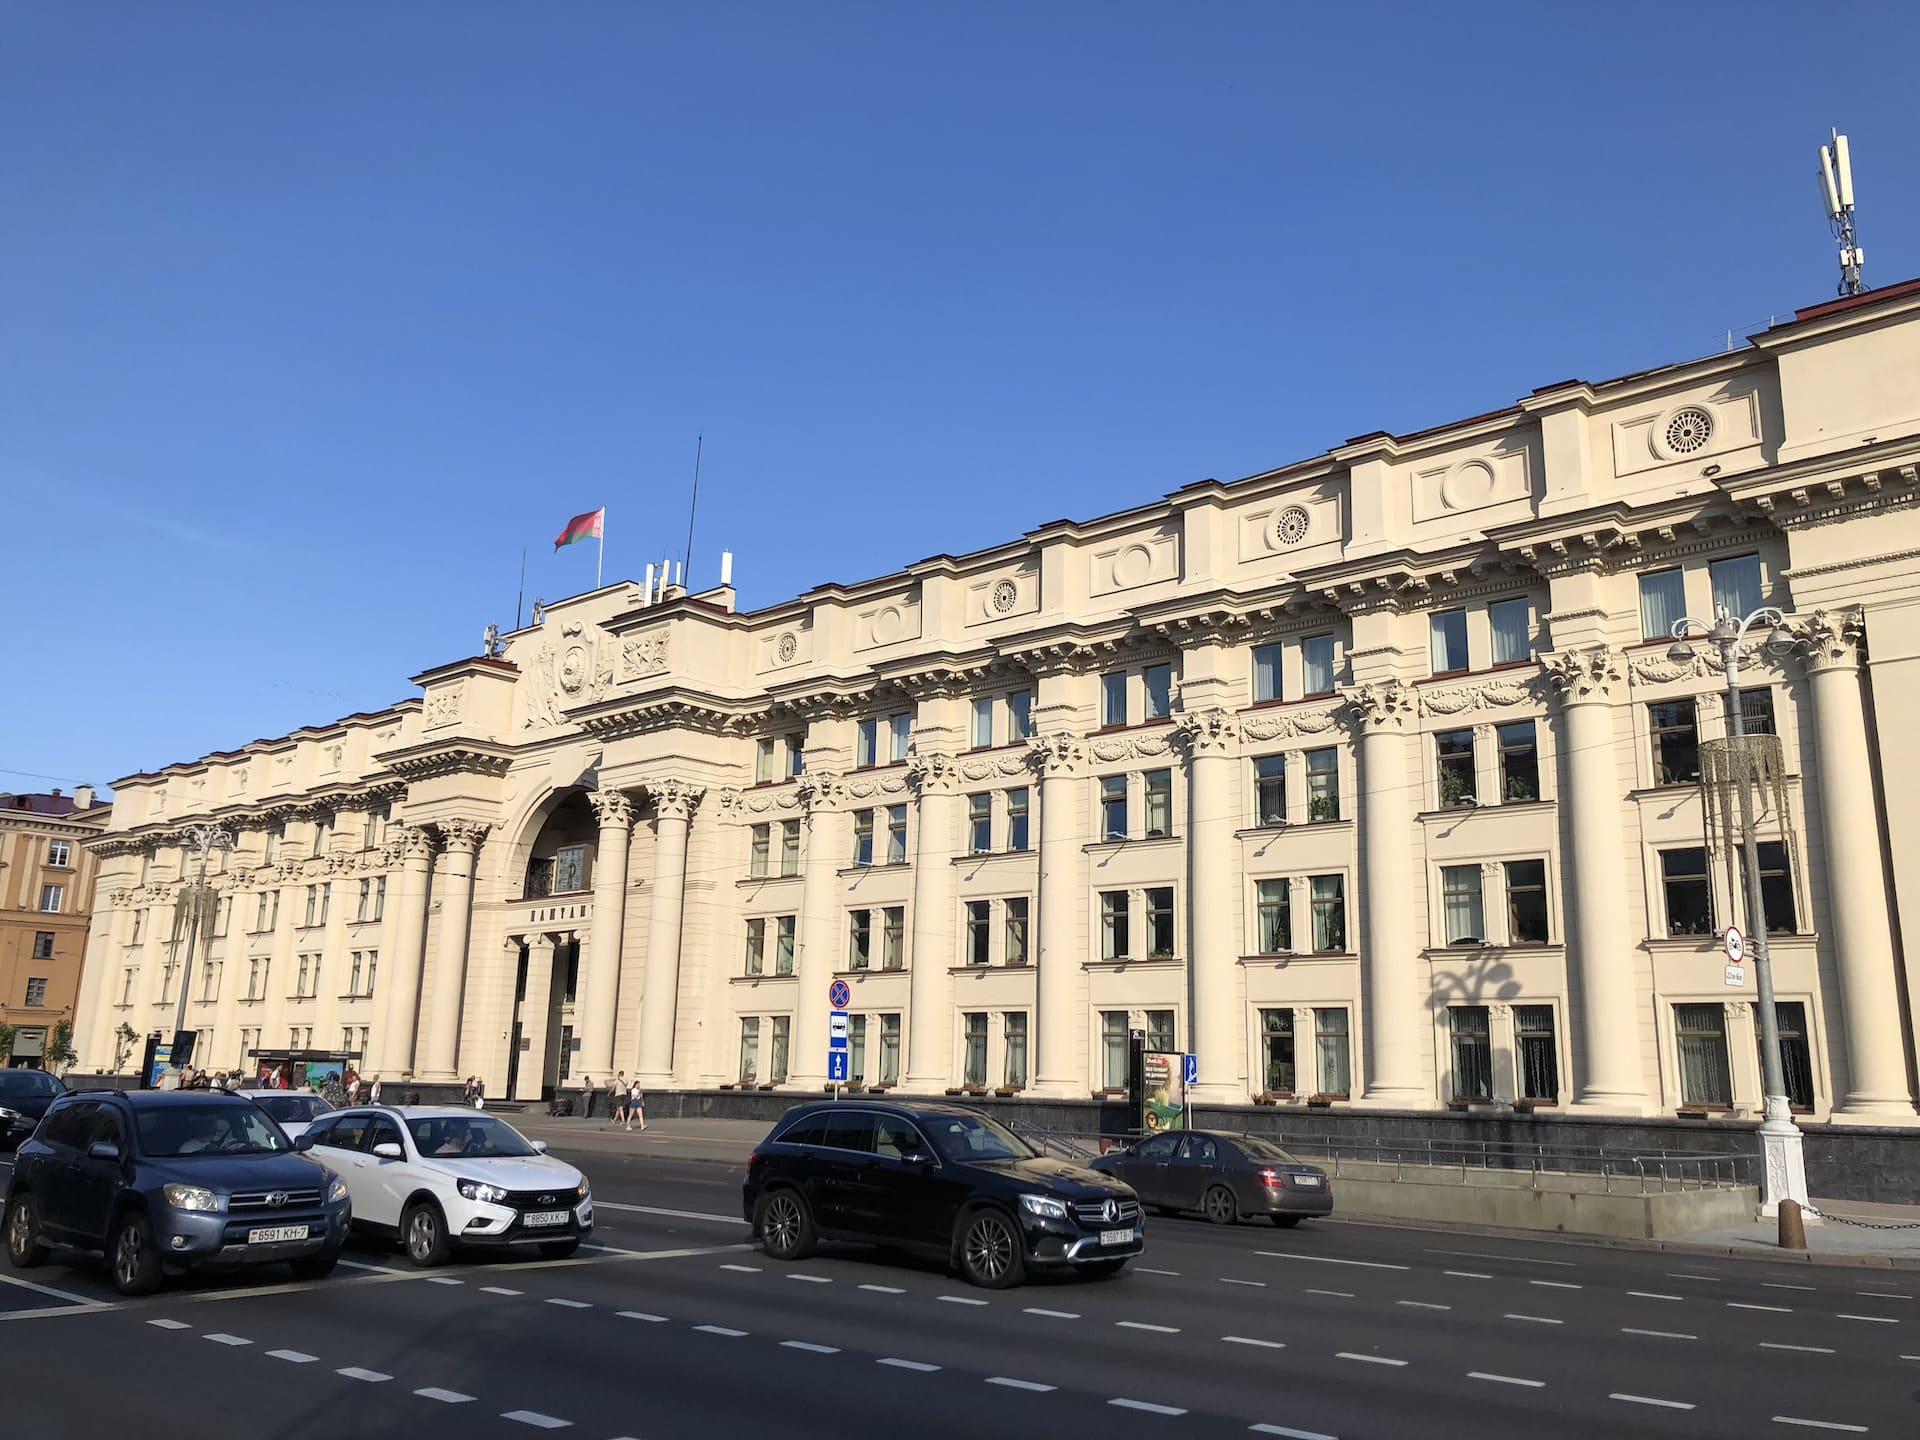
(837, 1069)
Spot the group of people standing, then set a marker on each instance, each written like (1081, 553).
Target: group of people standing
(626, 1101)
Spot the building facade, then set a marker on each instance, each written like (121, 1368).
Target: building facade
(47, 879)
(1369, 780)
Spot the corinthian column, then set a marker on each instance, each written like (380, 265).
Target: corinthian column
(827, 851)
(929, 1057)
(1601, 954)
(1214, 1031)
(400, 1019)
(1389, 955)
(1856, 893)
(605, 940)
(1056, 758)
(673, 802)
(462, 839)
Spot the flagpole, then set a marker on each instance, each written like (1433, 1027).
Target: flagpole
(520, 600)
(600, 561)
(699, 444)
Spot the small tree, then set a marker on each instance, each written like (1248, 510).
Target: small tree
(60, 1051)
(123, 1042)
(7, 1032)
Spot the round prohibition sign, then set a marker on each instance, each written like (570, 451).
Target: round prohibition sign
(838, 995)
(1736, 944)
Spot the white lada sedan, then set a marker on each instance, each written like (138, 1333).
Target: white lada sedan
(443, 1177)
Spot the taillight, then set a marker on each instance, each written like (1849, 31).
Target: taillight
(1273, 1179)
(754, 1161)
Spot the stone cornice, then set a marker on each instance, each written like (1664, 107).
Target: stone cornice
(683, 710)
(452, 756)
(1795, 501)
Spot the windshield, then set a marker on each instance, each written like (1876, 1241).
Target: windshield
(24, 1084)
(974, 1137)
(293, 1109)
(475, 1137)
(1258, 1149)
(167, 1131)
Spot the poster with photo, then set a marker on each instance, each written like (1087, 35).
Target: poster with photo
(1164, 1102)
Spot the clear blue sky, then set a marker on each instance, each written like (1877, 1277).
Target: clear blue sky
(312, 316)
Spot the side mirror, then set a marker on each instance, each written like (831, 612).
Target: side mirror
(103, 1150)
(303, 1141)
(540, 1146)
(919, 1159)
(387, 1150)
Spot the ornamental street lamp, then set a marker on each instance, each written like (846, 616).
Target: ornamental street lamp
(1785, 1175)
(205, 839)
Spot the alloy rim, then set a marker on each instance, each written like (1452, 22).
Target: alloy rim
(420, 1235)
(126, 1255)
(989, 1249)
(1219, 1204)
(783, 1223)
(20, 1233)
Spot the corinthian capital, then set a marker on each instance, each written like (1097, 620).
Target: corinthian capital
(409, 842)
(1204, 732)
(930, 772)
(1588, 673)
(1057, 754)
(613, 808)
(1382, 706)
(817, 789)
(463, 834)
(1828, 639)
(675, 799)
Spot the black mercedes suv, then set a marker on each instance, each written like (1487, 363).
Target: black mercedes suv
(940, 1180)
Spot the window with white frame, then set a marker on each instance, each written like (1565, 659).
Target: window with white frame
(1270, 790)
(126, 985)
(1511, 625)
(899, 737)
(777, 1051)
(1700, 1032)
(1015, 909)
(276, 832)
(973, 1047)
(789, 847)
(1159, 787)
(210, 982)
(1113, 1049)
(866, 744)
(57, 854)
(857, 1049)
(1160, 927)
(979, 823)
(1333, 1059)
(1449, 632)
(1113, 699)
(52, 898)
(756, 946)
(1113, 807)
(1663, 600)
(1017, 818)
(893, 937)
(863, 837)
(783, 933)
(979, 931)
(1019, 715)
(1013, 1067)
(1113, 925)
(1159, 691)
(1273, 910)
(36, 992)
(749, 1049)
(982, 722)
(1471, 1032)
(890, 1049)
(1453, 758)
(139, 924)
(1329, 898)
(375, 834)
(1323, 784)
(1267, 685)
(1756, 711)
(1316, 666)
(1160, 1032)
(859, 939)
(1736, 585)
(1460, 905)
(322, 832)
(257, 973)
(896, 834)
(759, 850)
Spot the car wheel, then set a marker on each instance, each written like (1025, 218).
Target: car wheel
(424, 1232)
(1286, 1222)
(23, 1235)
(786, 1226)
(315, 1267)
(1219, 1206)
(990, 1250)
(135, 1261)
(559, 1249)
(1103, 1269)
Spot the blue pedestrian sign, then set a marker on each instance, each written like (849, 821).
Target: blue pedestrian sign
(837, 1067)
(1192, 1075)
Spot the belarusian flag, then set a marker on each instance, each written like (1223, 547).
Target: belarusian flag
(583, 527)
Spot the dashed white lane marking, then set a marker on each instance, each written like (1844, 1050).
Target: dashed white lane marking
(570, 1304)
(169, 1324)
(1142, 1325)
(809, 1347)
(1053, 1314)
(1254, 1284)
(1422, 1305)
(1149, 1270)
(1536, 1319)
(1341, 1294)
(1801, 1349)
(1146, 1405)
(1770, 1309)
(1870, 1319)
(220, 1337)
(920, 1366)
(643, 1315)
(959, 1300)
(671, 1214)
(1330, 1260)
(1012, 1384)
(499, 1290)
(742, 1269)
(813, 1279)
(354, 1372)
(1506, 1379)
(1367, 1359)
(1657, 1334)
(1776, 1285)
(443, 1280)
(1650, 1400)
(1557, 1284)
(536, 1419)
(1289, 1432)
(1688, 1275)
(1468, 1274)
(1819, 1424)
(1910, 1357)
(1249, 1340)
(884, 1289)
(1490, 1255)
(1653, 1295)
(364, 1265)
(721, 1330)
(445, 1397)
(1882, 1295)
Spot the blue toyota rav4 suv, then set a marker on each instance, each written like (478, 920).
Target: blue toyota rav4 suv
(163, 1181)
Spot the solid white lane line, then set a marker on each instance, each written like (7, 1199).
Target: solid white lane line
(1536, 1319)
(1012, 1384)
(1650, 1400)
(1819, 1424)
(1054, 1314)
(742, 1269)
(1467, 1274)
(1882, 1295)
(1149, 1270)
(499, 1290)
(571, 1304)
(1146, 1405)
(362, 1265)
(1870, 1319)
(1770, 1309)
(920, 1366)
(1142, 1325)
(720, 1330)
(1801, 1349)
(443, 1280)
(1329, 1260)
(1290, 1433)
(1653, 1295)
(354, 1372)
(599, 1204)
(1368, 1359)
(959, 1300)
(1910, 1357)
(813, 1279)
(536, 1419)
(1557, 1284)
(293, 1357)
(1657, 1334)
(1255, 1284)
(66, 1295)
(809, 1347)
(445, 1397)
(1776, 1285)
(643, 1315)
(1422, 1305)
(1342, 1294)
(884, 1289)
(220, 1337)
(1249, 1340)
(1506, 1379)
(1490, 1255)
(169, 1324)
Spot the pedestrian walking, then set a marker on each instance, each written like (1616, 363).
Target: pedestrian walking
(636, 1105)
(479, 1093)
(373, 1091)
(617, 1097)
(586, 1098)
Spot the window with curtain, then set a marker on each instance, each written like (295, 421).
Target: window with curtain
(756, 946)
(1460, 904)
(1020, 715)
(1702, 1034)
(764, 761)
(1159, 784)
(1017, 818)
(761, 849)
(1329, 912)
(1539, 1053)
(1266, 673)
(1333, 1070)
(789, 847)
(973, 1069)
(749, 1049)
(982, 722)
(1276, 1041)
(1113, 1049)
(1511, 624)
(1526, 902)
(859, 939)
(1113, 698)
(1449, 632)
(893, 937)
(1736, 585)
(777, 1054)
(1159, 688)
(1113, 807)
(1016, 936)
(1014, 1066)
(866, 745)
(890, 1049)
(783, 927)
(1796, 1055)
(1113, 925)
(900, 731)
(1675, 728)
(1323, 784)
(1160, 1031)
(1273, 904)
(1453, 753)
(1316, 665)
(1270, 790)
(979, 936)
(863, 837)
(896, 835)
(1663, 600)
(857, 1049)
(1472, 1052)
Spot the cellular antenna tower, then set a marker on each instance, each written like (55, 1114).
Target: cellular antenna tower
(1836, 193)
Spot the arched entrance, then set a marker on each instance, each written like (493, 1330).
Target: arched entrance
(558, 876)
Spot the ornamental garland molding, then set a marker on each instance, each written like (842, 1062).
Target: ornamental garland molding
(1489, 695)
(780, 801)
(861, 787)
(1286, 724)
(1128, 747)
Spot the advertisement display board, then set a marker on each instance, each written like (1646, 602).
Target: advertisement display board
(1164, 1100)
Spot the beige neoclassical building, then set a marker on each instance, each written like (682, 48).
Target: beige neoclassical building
(1370, 780)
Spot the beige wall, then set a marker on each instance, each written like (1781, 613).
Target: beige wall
(31, 846)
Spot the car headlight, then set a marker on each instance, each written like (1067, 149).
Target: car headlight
(193, 1197)
(336, 1191)
(584, 1190)
(6, 1114)
(483, 1192)
(1045, 1206)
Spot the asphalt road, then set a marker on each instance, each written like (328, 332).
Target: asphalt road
(676, 1328)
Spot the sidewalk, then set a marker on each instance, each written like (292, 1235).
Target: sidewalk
(1854, 1233)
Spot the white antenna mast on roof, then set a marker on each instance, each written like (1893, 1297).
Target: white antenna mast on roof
(1836, 193)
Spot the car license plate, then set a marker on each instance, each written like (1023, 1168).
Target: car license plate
(1309, 1182)
(545, 1217)
(269, 1234)
(1116, 1237)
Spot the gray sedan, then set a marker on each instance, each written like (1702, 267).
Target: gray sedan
(1224, 1177)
